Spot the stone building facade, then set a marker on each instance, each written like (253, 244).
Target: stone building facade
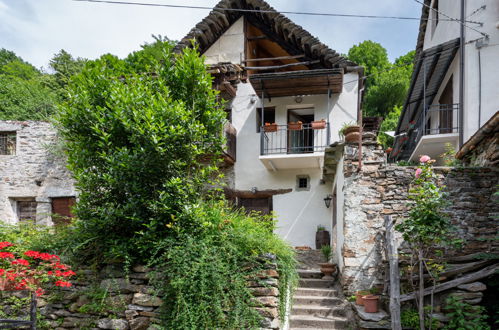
(382, 189)
(34, 181)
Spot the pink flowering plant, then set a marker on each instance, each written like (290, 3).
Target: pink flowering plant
(31, 270)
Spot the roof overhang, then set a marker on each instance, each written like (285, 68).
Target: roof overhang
(429, 72)
(310, 82)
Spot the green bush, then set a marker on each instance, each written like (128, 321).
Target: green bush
(205, 282)
(464, 316)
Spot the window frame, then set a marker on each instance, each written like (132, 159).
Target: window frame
(4, 148)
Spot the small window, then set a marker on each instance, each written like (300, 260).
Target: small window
(26, 211)
(7, 143)
(302, 182)
(268, 117)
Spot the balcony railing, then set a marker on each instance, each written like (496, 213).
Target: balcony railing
(437, 119)
(285, 139)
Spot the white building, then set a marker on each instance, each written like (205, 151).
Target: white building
(284, 75)
(454, 88)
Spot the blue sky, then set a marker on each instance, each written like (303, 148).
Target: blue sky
(37, 29)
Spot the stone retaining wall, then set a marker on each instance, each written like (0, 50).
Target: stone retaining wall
(381, 189)
(109, 300)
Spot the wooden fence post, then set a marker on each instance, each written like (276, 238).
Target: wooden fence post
(393, 261)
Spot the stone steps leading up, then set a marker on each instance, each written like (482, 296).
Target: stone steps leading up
(310, 273)
(317, 301)
(319, 311)
(314, 322)
(314, 283)
(316, 292)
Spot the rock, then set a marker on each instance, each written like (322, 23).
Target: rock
(440, 317)
(473, 287)
(271, 313)
(118, 302)
(129, 314)
(375, 325)
(142, 299)
(267, 301)
(114, 324)
(269, 273)
(475, 301)
(265, 292)
(140, 323)
(140, 308)
(466, 295)
(141, 269)
(373, 317)
(119, 285)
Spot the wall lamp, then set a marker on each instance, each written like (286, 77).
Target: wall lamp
(328, 200)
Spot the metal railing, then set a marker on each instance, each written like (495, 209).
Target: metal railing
(436, 119)
(289, 139)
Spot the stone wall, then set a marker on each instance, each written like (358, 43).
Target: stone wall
(486, 153)
(106, 299)
(381, 189)
(34, 172)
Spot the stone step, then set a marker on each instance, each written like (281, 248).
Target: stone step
(308, 322)
(319, 311)
(316, 301)
(314, 283)
(306, 273)
(316, 292)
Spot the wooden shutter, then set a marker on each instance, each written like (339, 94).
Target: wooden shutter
(61, 209)
(26, 211)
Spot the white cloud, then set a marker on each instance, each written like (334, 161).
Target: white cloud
(38, 29)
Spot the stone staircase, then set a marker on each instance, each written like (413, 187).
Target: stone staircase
(316, 304)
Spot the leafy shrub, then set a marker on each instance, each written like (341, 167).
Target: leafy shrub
(205, 285)
(465, 316)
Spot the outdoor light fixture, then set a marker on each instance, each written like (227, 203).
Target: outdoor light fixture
(328, 200)
(298, 99)
(254, 190)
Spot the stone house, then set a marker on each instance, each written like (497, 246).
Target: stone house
(35, 184)
(453, 89)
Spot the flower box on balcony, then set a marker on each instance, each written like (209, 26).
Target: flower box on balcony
(319, 124)
(295, 126)
(270, 127)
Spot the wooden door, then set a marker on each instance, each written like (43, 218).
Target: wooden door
(61, 209)
(262, 205)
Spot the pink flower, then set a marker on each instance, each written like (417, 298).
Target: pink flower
(424, 159)
(418, 172)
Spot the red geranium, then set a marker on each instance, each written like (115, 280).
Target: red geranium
(33, 271)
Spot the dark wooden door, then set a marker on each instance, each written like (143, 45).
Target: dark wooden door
(61, 209)
(262, 205)
(445, 113)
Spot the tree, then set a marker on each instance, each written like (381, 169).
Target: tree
(389, 123)
(65, 66)
(372, 56)
(136, 131)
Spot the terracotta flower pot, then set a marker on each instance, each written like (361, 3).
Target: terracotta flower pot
(270, 127)
(358, 297)
(295, 126)
(352, 134)
(319, 124)
(370, 303)
(328, 269)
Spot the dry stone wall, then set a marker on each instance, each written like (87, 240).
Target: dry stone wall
(381, 189)
(107, 299)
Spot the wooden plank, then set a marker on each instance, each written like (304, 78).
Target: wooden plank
(274, 58)
(394, 273)
(277, 67)
(487, 271)
(459, 269)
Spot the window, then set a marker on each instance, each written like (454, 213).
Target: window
(7, 143)
(268, 117)
(434, 14)
(26, 210)
(262, 205)
(302, 182)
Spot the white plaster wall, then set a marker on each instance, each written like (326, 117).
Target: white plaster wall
(299, 212)
(445, 30)
(32, 162)
(229, 47)
(340, 225)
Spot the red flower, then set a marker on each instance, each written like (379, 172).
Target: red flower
(23, 262)
(32, 254)
(60, 266)
(5, 255)
(39, 292)
(68, 273)
(5, 244)
(62, 284)
(2, 271)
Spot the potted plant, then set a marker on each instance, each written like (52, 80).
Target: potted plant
(388, 150)
(270, 127)
(319, 124)
(359, 295)
(351, 132)
(321, 237)
(295, 126)
(370, 303)
(327, 268)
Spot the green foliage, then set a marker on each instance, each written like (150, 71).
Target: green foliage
(409, 318)
(327, 251)
(135, 131)
(65, 67)
(449, 155)
(344, 127)
(464, 316)
(372, 56)
(205, 286)
(321, 228)
(389, 124)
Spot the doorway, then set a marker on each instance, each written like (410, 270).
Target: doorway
(302, 140)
